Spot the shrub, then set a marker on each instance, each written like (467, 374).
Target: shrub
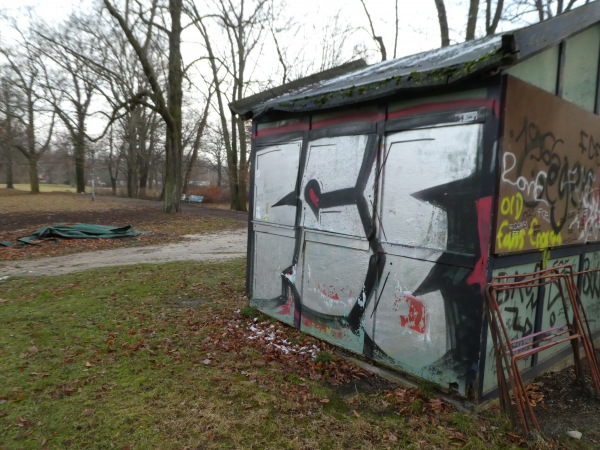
(211, 194)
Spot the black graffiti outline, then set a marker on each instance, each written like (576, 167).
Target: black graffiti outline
(318, 201)
(462, 301)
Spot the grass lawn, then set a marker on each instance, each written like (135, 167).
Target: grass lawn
(46, 187)
(159, 357)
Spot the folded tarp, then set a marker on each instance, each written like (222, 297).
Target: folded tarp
(76, 231)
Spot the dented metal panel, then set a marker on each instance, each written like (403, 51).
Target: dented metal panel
(388, 290)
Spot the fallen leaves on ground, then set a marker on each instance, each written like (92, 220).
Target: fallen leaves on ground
(534, 393)
(405, 398)
(288, 347)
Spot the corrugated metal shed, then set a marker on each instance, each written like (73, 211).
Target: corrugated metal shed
(435, 68)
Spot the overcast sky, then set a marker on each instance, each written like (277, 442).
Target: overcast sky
(419, 29)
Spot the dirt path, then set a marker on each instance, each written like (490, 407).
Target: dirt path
(207, 247)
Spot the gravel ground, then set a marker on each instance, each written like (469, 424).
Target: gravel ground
(209, 247)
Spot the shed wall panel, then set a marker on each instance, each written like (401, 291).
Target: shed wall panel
(540, 70)
(580, 74)
(276, 172)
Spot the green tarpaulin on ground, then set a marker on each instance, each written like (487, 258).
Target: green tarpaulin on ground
(76, 231)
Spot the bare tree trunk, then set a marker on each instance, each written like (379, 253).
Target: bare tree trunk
(491, 22)
(8, 134)
(196, 145)
(443, 22)
(472, 20)
(234, 175)
(169, 105)
(219, 172)
(174, 154)
(9, 166)
(377, 39)
(396, 29)
(540, 9)
(34, 181)
(31, 154)
(132, 150)
(243, 32)
(79, 156)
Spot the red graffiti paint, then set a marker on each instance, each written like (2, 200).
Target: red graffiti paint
(348, 118)
(290, 128)
(445, 106)
(328, 292)
(311, 324)
(335, 333)
(286, 308)
(417, 318)
(484, 215)
(314, 198)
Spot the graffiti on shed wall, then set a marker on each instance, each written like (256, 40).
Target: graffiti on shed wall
(431, 206)
(549, 184)
(384, 280)
(519, 309)
(590, 289)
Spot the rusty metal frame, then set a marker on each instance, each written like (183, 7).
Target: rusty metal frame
(509, 352)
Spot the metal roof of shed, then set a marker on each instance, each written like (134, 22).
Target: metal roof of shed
(440, 67)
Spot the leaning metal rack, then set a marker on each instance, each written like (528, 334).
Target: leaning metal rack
(513, 353)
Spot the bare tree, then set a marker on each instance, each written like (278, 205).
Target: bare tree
(7, 127)
(443, 22)
(543, 9)
(113, 160)
(378, 39)
(472, 20)
(120, 79)
(493, 14)
(214, 152)
(165, 100)
(72, 84)
(243, 29)
(278, 24)
(334, 37)
(25, 64)
(199, 134)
